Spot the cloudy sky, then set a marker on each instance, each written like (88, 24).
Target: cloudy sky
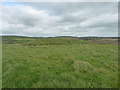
(49, 19)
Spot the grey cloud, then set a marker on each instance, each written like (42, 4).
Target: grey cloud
(55, 19)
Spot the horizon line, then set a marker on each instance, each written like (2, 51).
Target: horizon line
(58, 36)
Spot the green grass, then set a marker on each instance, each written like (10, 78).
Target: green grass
(58, 63)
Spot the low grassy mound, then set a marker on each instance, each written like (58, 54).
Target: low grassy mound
(43, 41)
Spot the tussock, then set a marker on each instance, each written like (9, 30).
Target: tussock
(82, 66)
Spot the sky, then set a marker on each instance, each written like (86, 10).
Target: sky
(50, 19)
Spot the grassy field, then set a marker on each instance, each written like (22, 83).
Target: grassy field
(58, 63)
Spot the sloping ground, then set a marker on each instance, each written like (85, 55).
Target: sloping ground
(51, 65)
(106, 41)
(59, 40)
